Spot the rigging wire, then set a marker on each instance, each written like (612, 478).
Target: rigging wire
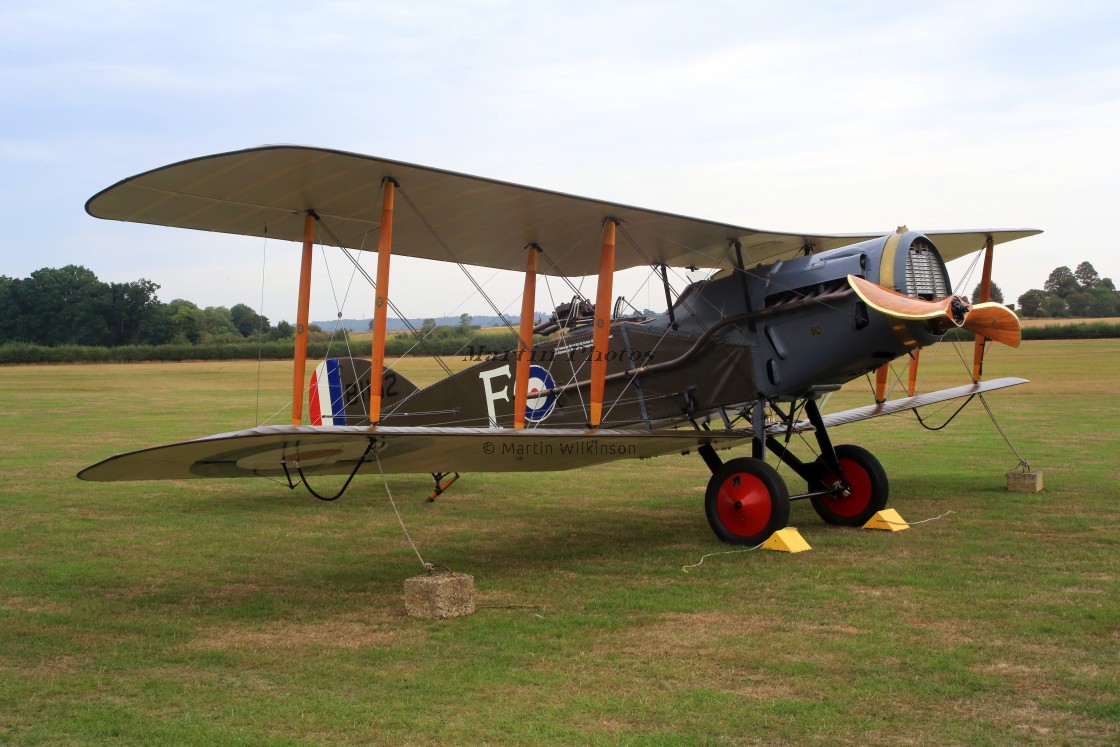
(446, 248)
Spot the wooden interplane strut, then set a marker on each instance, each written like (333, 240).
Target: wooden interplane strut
(985, 296)
(601, 340)
(304, 303)
(525, 341)
(381, 304)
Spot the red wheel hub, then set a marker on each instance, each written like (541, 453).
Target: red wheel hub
(743, 504)
(859, 480)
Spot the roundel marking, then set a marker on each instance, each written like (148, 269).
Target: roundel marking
(537, 406)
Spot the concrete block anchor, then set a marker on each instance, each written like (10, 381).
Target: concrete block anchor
(1024, 482)
(439, 595)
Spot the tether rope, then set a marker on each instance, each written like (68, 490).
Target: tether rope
(685, 568)
(423, 563)
(915, 523)
(1022, 461)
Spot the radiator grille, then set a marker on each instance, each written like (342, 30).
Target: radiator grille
(925, 272)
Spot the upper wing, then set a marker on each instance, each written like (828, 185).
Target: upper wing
(266, 191)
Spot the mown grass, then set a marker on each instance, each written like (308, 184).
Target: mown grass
(238, 612)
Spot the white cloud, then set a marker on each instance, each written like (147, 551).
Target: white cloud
(797, 116)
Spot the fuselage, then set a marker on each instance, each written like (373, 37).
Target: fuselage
(769, 332)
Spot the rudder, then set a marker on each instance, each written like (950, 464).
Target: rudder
(339, 391)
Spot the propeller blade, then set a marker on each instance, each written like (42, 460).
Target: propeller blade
(994, 321)
(898, 305)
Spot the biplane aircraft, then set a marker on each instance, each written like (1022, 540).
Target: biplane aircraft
(738, 359)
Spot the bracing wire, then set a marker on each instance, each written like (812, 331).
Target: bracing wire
(455, 259)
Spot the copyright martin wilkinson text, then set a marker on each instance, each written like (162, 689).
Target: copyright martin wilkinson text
(566, 448)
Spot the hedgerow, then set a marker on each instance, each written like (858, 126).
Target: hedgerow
(398, 345)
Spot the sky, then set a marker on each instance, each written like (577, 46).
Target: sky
(820, 117)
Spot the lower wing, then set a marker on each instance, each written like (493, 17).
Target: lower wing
(278, 451)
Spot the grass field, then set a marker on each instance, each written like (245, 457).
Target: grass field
(238, 612)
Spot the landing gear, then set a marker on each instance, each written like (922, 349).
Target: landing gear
(746, 501)
(855, 495)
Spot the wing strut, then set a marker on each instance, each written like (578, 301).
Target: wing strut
(881, 375)
(381, 305)
(300, 368)
(525, 343)
(912, 380)
(601, 340)
(985, 296)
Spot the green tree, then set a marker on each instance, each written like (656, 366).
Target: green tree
(995, 292)
(127, 306)
(1031, 302)
(157, 328)
(1106, 302)
(63, 306)
(1087, 276)
(465, 321)
(248, 322)
(217, 322)
(282, 331)
(1080, 304)
(9, 308)
(1061, 282)
(1054, 306)
(187, 320)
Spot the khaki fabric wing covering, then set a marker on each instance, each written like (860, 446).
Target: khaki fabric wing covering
(446, 216)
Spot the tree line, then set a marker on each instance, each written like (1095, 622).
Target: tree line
(71, 306)
(1079, 293)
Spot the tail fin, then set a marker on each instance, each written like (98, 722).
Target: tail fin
(339, 391)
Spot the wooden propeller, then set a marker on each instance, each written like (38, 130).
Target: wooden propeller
(992, 320)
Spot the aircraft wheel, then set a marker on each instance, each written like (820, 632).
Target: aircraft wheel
(746, 501)
(868, 481)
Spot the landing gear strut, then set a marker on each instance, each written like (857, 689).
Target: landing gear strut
(746, 500)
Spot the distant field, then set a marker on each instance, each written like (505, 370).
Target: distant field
(1067, 321)
(242, 613)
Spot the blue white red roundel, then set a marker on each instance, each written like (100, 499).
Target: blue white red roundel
(538, 407)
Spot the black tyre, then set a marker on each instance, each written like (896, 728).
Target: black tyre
(746, 501)
(868, 482)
